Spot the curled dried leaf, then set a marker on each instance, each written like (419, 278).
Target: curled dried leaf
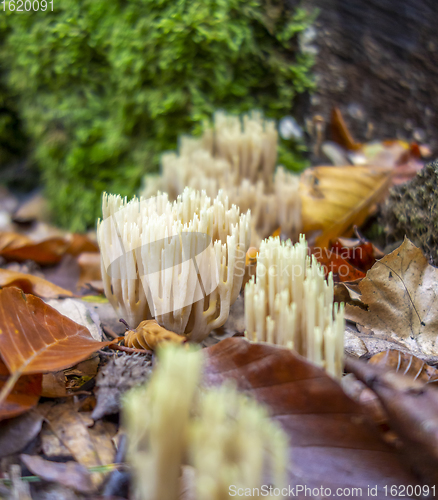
(406, 364)
(149, 334)
(32, 284)
(335, 199)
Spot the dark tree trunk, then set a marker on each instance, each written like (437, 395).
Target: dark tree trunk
(378, 61)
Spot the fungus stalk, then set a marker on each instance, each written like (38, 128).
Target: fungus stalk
(289, 302)
(226, 437)
(182, 262)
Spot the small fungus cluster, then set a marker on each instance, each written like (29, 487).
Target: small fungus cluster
(224, 437)
(236, 155)
(181, 262)
(289, 302)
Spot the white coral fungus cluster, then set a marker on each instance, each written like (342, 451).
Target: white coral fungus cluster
(181, 262)
(238, 156)
(224, 437)
(289, 302)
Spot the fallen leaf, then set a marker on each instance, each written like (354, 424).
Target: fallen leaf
(90, 268)
(335, 199)
(35, 338)
(360, 253)
(340, 132)
(9, 238)
(347, 259)
(45, 248)
(46, 252)
(412, 409)
(79, 244)
(90, 446)
(345, 292)
(406, 364)
(402, 301)
(361, 342)
(16, 433)
(70, 474)
(358, 391)
(32, 284)
(342, 269)
(54, 385)
(52, 447)
(24, 395)
(79, 312)
(149, 335)
(334, 444)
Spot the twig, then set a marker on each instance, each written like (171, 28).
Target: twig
(108, 331)
(121, 320)
(117, 347)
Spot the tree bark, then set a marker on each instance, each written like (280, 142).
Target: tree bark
(377, 60)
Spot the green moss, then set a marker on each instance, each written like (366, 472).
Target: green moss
(104, 87)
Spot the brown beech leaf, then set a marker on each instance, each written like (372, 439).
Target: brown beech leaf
(149, 334)
(11, 239)
(89, 265)
(412, 409)
(24, 395)
(80, 243)
(332, 441)
(32, 284)
(400, 291)
(406, 364)
(35, 338)
(49, 251)
(335, 199)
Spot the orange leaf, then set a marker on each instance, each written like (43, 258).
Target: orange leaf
(12, 240)
(32, 284)
(49, 251)
(35, 338)
(18, 247)
(80, 243)
(342, 269)
(24, 395)
(340, 132)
